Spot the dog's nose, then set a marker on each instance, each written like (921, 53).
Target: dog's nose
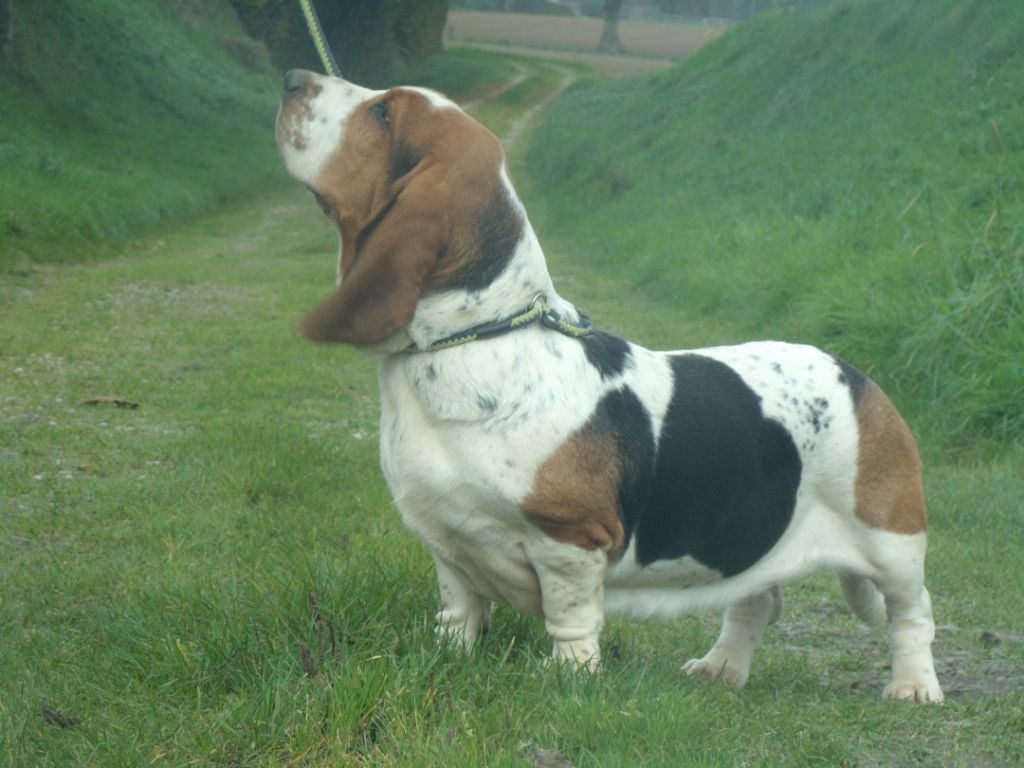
(295, 80)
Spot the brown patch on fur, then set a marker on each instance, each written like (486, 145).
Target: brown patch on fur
(407, 231)
(294, 113)
(888, 491)
(575, 496)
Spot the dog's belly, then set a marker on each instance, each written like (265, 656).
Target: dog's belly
(817, 538)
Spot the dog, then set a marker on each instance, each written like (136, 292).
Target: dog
(569, 473)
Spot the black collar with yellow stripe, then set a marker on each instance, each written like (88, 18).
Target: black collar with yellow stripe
(537, 311)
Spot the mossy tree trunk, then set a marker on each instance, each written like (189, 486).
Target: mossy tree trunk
(6, 30)
(610, 28)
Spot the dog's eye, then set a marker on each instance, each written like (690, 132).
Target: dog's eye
(380, 111)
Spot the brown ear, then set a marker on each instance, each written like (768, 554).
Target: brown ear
(394, 255)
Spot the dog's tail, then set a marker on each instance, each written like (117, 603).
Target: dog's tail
(863, 598)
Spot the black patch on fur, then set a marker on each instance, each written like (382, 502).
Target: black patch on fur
(852, 378)
(497, 229)
(723, 485)
(621, 414)
(609, 354)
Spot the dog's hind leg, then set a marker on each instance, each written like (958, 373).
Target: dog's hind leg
(863, 598)
(911, 627)
(744, 623)
(889, 501)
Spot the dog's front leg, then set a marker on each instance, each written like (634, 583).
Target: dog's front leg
(572, 599)
(464, 614)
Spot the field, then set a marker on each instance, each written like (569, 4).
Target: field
(200, 564)
(648, 45)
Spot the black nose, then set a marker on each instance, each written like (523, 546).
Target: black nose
(295, 80)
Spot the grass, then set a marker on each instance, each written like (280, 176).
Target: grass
(217, 577)
(464, 72)
(118, 116)
(849, 177)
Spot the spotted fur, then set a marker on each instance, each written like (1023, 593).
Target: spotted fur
(568, 477)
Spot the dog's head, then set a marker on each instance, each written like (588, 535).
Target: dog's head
(415, 188)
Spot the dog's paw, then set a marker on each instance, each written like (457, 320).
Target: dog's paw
(924, 691)
(457, 631)
(577, 654)
(713, 667)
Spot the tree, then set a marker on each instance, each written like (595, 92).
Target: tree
(6, 29)
(374, 41)
(610, 28)
(419, 29)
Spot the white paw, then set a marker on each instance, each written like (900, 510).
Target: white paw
(576, 654)
(713, 667)
(457, 633)
(924, 691)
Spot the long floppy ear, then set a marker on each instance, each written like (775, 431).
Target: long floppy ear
(394, 255)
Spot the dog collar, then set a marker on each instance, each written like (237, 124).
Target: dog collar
(537, 310)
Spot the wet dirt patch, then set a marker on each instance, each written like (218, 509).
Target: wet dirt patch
(970, 663)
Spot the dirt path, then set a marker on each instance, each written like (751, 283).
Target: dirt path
(604, 65)
(515, 131)
(642, 39)
(496, 93)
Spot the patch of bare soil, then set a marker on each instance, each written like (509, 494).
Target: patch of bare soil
(970, 663)
(671, 41)
(603, 64)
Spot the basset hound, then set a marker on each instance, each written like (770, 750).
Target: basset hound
(565, 471)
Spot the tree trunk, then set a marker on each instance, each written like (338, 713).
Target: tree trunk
(6, 30)
(610, 28)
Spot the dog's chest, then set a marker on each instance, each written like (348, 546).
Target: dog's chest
(477, 423)
(460, 449)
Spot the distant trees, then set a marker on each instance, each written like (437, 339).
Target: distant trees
(374, 41)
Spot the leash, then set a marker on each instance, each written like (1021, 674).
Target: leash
(316, 31)
(538, 310)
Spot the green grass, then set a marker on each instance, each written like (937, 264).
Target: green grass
(118, 116)
(464, 73)
(218, 577)
(159, 563)
(850, 177)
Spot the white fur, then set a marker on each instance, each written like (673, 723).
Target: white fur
(307, 145)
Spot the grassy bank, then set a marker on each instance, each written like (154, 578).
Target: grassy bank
(850, 177)
(117, 117)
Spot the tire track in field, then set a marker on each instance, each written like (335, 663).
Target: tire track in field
(496, 93)
(515, 131)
